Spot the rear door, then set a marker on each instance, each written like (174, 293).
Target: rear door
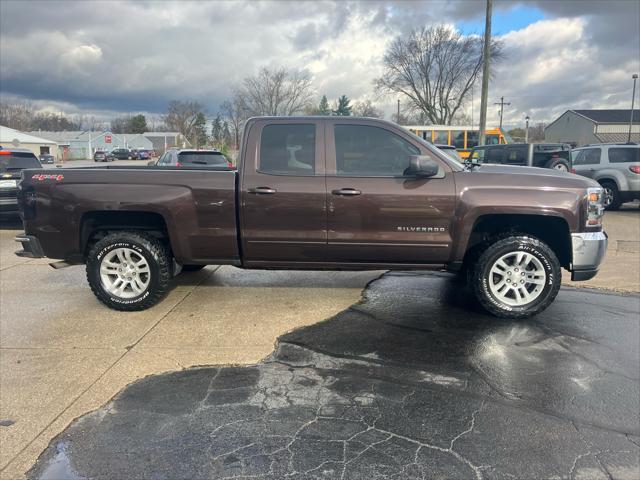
(282, 192)
(587, 161)
(376, 212)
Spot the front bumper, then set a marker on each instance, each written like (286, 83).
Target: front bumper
(588, 251)
(31, 247)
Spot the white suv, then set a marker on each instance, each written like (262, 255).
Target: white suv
(615, 166)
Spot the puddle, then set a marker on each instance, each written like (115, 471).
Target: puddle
(59, 466)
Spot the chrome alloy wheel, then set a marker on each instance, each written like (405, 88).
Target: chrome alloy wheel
(124, 273)
(517, 278)
(562, 167)
(608, 196)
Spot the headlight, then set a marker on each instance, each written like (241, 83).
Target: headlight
(595, 206)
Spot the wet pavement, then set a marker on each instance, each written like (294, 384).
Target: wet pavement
(412, 382)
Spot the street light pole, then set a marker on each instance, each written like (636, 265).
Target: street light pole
(526, 129)
(633, 97)
(486, 57)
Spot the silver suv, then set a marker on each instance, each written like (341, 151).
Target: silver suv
(615, 166)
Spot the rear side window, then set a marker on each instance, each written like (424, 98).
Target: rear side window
(18, 161)
(288, 149)
(588, 156)
(209, 159)
(516, 155)
(624, 155)
(493, 155)
(362, 150)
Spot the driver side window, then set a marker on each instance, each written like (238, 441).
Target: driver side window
(363, 150)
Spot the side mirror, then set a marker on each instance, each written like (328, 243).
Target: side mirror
(423, 166)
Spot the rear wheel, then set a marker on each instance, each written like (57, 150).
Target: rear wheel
(612, 198)
(516, 277)
(129, 270)
(559, 164)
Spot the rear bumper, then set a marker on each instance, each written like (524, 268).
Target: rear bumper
(31, 247)
(588, 252)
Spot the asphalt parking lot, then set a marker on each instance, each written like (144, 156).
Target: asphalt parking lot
(401, 380)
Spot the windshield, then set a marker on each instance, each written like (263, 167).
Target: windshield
(203, 158)
(18, 161)
(453, 154)
(432, 148)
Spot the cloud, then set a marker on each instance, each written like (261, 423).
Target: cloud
(129, 56)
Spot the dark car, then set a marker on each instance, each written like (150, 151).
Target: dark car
(47, 158)
(122, 154)
(544, 155)
(193, 158)
(12, 162)
(144, 154)
(101, 156)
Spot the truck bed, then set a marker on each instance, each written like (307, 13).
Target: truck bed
(196, 206)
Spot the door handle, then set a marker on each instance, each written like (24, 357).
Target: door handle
(346, 192)
(262, 190)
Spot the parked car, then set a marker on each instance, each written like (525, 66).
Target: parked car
(175, 157)
(615, 166)
(134, 154)
(100, 156)
(320, 193)
(543, 155)
(47, 158)
(122, 154)
(12, 162)
(144, 154)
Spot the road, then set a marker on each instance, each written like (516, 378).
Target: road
(62, 355)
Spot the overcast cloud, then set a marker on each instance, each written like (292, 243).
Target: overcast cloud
(135, 56)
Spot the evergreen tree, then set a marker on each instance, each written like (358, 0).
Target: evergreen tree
(137, 124)
(323, 107)
(199, 130)
(343, 108)
(216, 131)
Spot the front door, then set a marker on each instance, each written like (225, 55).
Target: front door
(586, 162)
(377, 213)
(282, 193)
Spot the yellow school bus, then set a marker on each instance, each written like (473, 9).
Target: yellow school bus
(464, 138)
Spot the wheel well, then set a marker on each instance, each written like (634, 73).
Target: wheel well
(553, 231)
(96, 225)
(608, 180)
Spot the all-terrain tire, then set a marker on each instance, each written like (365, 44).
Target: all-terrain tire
(192, 268)
(613, 200)
(496, 250)
(154, 252)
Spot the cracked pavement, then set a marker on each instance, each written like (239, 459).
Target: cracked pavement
(412, 382)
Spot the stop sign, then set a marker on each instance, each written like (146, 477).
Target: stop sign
(107, 139)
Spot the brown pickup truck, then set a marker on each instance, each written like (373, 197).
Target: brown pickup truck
(334, 193)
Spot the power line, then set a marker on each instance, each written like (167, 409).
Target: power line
(502, 103)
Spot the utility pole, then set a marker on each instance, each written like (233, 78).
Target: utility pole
(486, 60)
(633, 97)
(526, 129)
(502, 104)
(398, 117)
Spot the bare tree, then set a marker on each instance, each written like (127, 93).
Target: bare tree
(275, 91)
(183, 117)
(366, 109)
(18, 116)
(435, 68)
(235, 113)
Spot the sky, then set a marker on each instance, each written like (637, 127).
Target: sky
(104, 58)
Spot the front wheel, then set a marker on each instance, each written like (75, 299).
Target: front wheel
(516, 277)
(129, 270)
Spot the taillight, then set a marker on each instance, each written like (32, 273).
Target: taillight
(229, 164)
(573, 170)
(178, 164)
(635, 169)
